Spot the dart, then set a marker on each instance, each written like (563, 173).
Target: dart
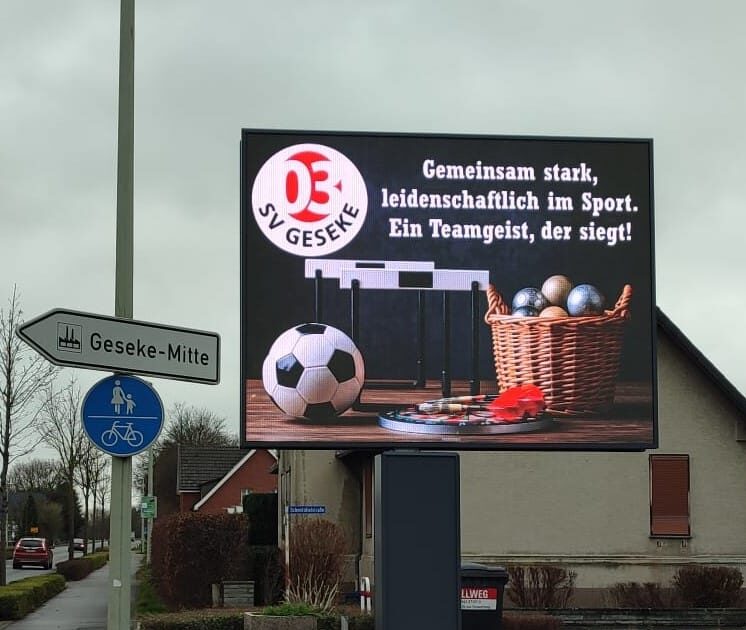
(438, 406)
(511, 405)
(463, 400)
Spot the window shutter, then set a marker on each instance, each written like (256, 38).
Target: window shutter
(669, 495)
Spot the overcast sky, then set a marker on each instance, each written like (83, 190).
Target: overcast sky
(668, 70)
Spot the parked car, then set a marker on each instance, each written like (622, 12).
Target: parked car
(78, 544)
(33, 551)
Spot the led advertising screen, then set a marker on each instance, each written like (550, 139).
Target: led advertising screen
(446, 291)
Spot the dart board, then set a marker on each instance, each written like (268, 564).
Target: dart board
(410, 420)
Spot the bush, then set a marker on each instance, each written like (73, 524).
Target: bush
(540, 586)
(217, 619)
(194, 620)
(266, 568)
(147, 598)
(513, 621)
(317, 560)
(19, 598)
(78, 568)
(192, 550)
(700, 586)
(292, 609)
(636, 595)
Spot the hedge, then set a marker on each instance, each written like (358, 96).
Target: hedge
(19, 598)
(78, 568)
(234, 620)
(193, 620)
(193, 550)
(517, 621)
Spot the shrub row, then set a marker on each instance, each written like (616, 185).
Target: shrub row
(192, 550)
(193, 620)
(19, 598)
(78, 568)
(234, 620)
(513, 621)
(694, 586)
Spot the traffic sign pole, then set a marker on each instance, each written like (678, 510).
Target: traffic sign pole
(150, 494)
(119, 617)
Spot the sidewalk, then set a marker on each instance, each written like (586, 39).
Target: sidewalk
(81, 606)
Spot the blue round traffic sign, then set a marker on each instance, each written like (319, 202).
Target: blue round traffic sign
(122, 415)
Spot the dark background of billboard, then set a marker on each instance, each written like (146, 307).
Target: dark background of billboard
(276, 296)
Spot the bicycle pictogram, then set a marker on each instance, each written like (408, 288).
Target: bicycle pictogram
(122, 431)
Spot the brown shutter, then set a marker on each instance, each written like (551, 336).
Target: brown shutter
(669, 495)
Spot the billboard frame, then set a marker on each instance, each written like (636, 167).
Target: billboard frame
(413, 443)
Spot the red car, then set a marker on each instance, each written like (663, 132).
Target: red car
(33, 551)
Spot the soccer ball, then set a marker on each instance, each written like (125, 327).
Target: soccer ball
(313, 371)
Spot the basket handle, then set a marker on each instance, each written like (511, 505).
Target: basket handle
(495, 304)
(621, 308)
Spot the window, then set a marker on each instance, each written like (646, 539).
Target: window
(669, 495)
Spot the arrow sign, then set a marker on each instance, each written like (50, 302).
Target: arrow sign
(98, 342)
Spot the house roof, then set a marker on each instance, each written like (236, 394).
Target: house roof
(716, 376)
(199, 465)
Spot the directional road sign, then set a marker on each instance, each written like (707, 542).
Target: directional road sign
(98, 342)
(122, 415)
(149, 507)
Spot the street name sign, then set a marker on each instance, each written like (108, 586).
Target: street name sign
(97, 342)
(306, 509)
(122, 415)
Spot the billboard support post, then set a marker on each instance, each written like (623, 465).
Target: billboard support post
(417, 542)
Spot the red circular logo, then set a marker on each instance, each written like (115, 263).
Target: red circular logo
(309, 199)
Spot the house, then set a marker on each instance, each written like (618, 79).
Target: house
(608, 516)
(214, 479)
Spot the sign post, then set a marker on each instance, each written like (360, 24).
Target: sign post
(120, 571)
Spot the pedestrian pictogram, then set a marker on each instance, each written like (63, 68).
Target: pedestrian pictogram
(122, 415)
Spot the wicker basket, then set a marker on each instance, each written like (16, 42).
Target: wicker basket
(574, 360)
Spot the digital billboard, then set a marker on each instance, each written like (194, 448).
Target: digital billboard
(446, 291)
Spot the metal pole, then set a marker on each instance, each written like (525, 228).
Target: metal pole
(121, 467)
(150, 494)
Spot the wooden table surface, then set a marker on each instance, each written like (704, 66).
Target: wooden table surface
(628, 425)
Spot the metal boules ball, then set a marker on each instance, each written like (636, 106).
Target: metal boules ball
(525, 311)
(585, 299)
(553, 311)
(531, 297)
(556, 289)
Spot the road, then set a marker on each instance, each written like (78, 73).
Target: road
(60, 554)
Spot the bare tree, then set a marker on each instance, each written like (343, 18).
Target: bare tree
(102, 487)
(99, 478)
(34, 474)
(195, 426)
(61, 429)
(24, 374)
(84, 476)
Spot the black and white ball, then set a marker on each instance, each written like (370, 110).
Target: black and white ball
(313, 371)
